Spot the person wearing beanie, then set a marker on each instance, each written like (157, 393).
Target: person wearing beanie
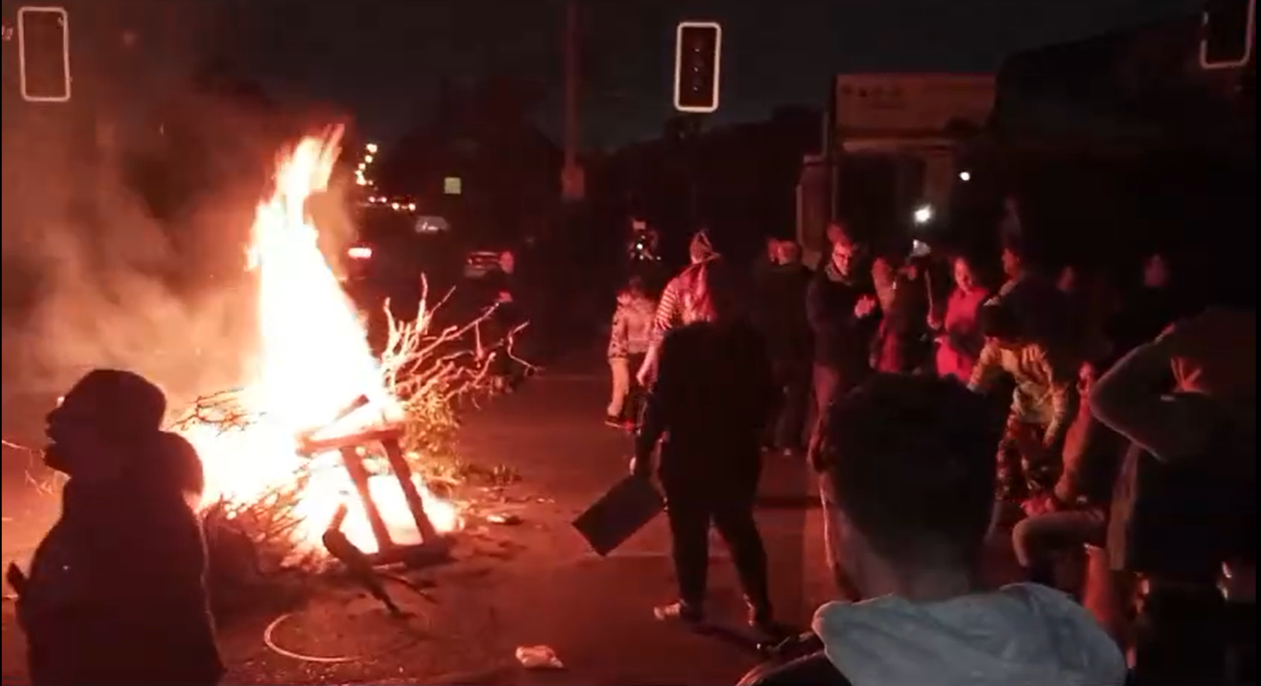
(671, 308)
(116, 592)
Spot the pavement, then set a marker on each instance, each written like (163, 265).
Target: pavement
(532, 583)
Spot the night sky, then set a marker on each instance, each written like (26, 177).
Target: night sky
(383, 59)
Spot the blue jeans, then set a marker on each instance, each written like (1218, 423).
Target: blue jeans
(1037, 539)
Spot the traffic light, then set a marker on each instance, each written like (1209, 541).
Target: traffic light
(44, 53)
(698, 52)
(1229, 32)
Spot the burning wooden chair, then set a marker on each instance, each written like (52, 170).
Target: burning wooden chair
(351, 448)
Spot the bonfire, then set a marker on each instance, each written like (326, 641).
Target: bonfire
(315, 379)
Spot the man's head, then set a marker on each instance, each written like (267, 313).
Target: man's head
(844, 248)
(1013, 259)
(1001, 325)
(772, 249)
(788, 252)
(909, 472)
(1069, 280)
(106, 412)
(1156, 272)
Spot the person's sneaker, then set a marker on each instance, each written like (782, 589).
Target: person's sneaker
(762, 621)
(612, 421)
(680, 611)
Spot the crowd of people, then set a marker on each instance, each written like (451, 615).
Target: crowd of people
(1130, 430)
(1129, 437)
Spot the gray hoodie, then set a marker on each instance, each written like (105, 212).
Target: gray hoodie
(1021, 635)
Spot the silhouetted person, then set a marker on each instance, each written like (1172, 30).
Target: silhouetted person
(1185, 502)
(910, 489)
(116, 593)
(713, 394)
(1148, 310)
(507, 322)
(780, 314)
(841, 306)
(844, 315)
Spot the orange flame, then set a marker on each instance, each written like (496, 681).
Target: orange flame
(313, 361)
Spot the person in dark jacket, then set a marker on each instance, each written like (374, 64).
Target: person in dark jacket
(1184, 508)
(841, 307)
(713, 394)
(1147, 311)
(508, 322)
(780, 314)
(901, 344)
(115, 593)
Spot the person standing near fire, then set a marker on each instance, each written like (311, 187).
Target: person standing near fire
(672, 310)
(116, 591)
(843, 312)
(779, 298)
(507, 322)
(713, 395)
(628, 344)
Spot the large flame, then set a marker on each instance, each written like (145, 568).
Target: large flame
(313, 362)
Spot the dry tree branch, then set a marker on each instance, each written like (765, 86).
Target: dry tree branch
(427, 371)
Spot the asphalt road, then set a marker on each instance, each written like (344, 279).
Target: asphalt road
(532, 583)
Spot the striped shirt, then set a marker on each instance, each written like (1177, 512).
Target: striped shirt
(680, 302)
(1046, 385)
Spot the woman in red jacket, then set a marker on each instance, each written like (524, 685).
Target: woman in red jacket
(959, 340)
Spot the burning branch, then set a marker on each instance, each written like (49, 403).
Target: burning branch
(427, 372)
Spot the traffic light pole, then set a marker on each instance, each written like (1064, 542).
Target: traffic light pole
(572, 181)
(695, 124)
(697, 59)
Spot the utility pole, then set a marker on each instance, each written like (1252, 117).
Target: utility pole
(572, 179)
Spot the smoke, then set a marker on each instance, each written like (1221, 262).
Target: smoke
(127, 211)
(100, 278)
(107, 283)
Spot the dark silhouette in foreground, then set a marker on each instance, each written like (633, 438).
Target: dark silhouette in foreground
(115, 593)
(909, 485)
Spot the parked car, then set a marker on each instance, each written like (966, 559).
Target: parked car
(480, 263)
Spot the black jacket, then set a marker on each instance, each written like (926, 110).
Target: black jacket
(713, 395)
(780, 309)
(116, 592)
(841, 340)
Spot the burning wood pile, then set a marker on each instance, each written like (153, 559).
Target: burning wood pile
(328, 446)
